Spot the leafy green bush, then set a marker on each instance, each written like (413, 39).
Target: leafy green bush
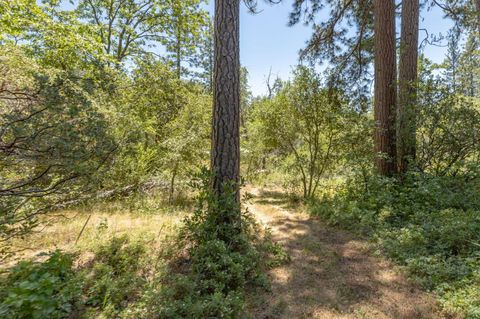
(113, 280)
(429, 224)
(116, 277)
(463, 296)
(50, 289)
(222, 259)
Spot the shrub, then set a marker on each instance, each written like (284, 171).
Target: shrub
(429, 224)
(464, 296)
(113, 280)
(223, 258)
(117, 276)
(49, 289)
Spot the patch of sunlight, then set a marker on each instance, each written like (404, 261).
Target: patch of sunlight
(63, 230)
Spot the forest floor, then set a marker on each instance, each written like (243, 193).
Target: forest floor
(332, 273)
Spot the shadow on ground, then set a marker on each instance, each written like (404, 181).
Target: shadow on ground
(332, 274)
(277, 198)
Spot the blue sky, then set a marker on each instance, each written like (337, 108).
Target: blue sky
(266, 42)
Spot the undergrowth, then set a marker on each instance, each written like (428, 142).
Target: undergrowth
(57, 288)
(429, 224)
(218, 255)
(41, 290)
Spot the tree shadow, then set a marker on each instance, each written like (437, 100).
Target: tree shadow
(332, 273)
(277, 198)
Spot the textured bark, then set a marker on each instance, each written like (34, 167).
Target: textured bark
(408, 70)
(225, 157)
(385, 86)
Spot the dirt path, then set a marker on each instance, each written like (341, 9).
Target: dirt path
(332, 274)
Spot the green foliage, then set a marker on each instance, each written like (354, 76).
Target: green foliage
(183, 32)
(429, 224)
(124, 27)
(448, 127)
(54, 140)
(55, 38)
(223, 259)
(274, 254)
(50, 289)
(348, 54)
(205, 271)
(163, 124)
(74, 124)
(204, 59)
(88, 111)
(306, 128)
(428, 220)
(117, 276)
(107, 285)
(209, 266)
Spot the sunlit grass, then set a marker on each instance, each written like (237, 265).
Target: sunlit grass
(149, 218)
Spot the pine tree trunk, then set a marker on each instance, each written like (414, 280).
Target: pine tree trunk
(385, 86)
(408, 70)
(225, 157)
(178, 53)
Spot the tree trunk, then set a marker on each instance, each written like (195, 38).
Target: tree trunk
(178, 53)
(385, 90)
(406, 134)
(172, 183)
(225, 157)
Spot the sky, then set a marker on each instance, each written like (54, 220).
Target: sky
(266, 42)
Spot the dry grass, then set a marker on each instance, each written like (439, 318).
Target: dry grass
(61, 229)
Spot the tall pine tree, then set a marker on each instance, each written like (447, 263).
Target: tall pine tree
(385, 86)
(407, 85)
(225, 157)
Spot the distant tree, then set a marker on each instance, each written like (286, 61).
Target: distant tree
(272, 86)
(143, 110)
(385, 86)
(188, 136)
(448, 125)
(184, 32)
(469, 68)
(453, 57)
(126, 26)
(204, 57)
(245, 95)
(477, 14)
(54, 36)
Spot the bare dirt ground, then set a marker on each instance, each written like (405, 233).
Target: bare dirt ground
(332, 273)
